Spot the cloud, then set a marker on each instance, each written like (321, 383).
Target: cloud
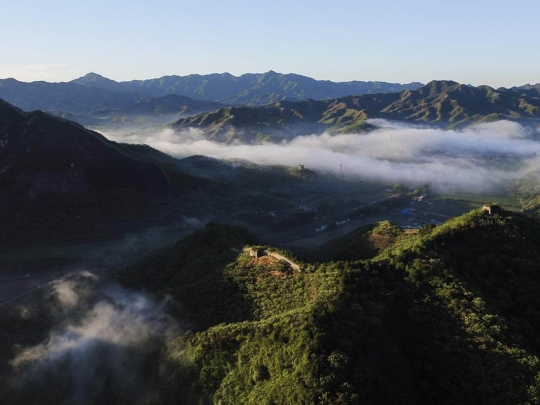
(103, 336)
(70, 291)
(478, 158)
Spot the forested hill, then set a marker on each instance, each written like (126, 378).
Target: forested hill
(58, 178)
(60, 181)
(448, 315)
(443, 103)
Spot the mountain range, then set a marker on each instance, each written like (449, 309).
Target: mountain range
(94, 100)
(247, 89)
(269, 106)
(93, 106)
(444, 314)
(443, 103)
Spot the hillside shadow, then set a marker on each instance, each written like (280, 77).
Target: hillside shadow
(193, 272)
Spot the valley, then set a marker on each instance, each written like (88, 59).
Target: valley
(291, 208)
(285, 203)
(276, 253)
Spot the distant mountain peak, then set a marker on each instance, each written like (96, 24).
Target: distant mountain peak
(442, 81)
(94, 79)
(442, 84)
(93, 75)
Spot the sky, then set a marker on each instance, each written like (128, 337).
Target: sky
(474, 42)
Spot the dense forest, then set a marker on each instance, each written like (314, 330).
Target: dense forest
(446, 315)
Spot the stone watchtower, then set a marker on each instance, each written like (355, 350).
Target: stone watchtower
(256, 253)
(491, 209)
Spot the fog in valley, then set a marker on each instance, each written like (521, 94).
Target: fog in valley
(102, 335)
(479, 158)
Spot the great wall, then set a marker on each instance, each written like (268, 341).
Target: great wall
(263, 252)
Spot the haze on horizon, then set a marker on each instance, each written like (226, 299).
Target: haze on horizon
(478, 42)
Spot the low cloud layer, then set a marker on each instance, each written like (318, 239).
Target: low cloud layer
(104, 337)
(478, 158)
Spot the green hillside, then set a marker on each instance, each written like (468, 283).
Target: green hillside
(58, 180)
(446, 315)
(361, 244)
(257, 124)
(456, 104)
(443, 103)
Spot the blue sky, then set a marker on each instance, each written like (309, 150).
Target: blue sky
(476, 41)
